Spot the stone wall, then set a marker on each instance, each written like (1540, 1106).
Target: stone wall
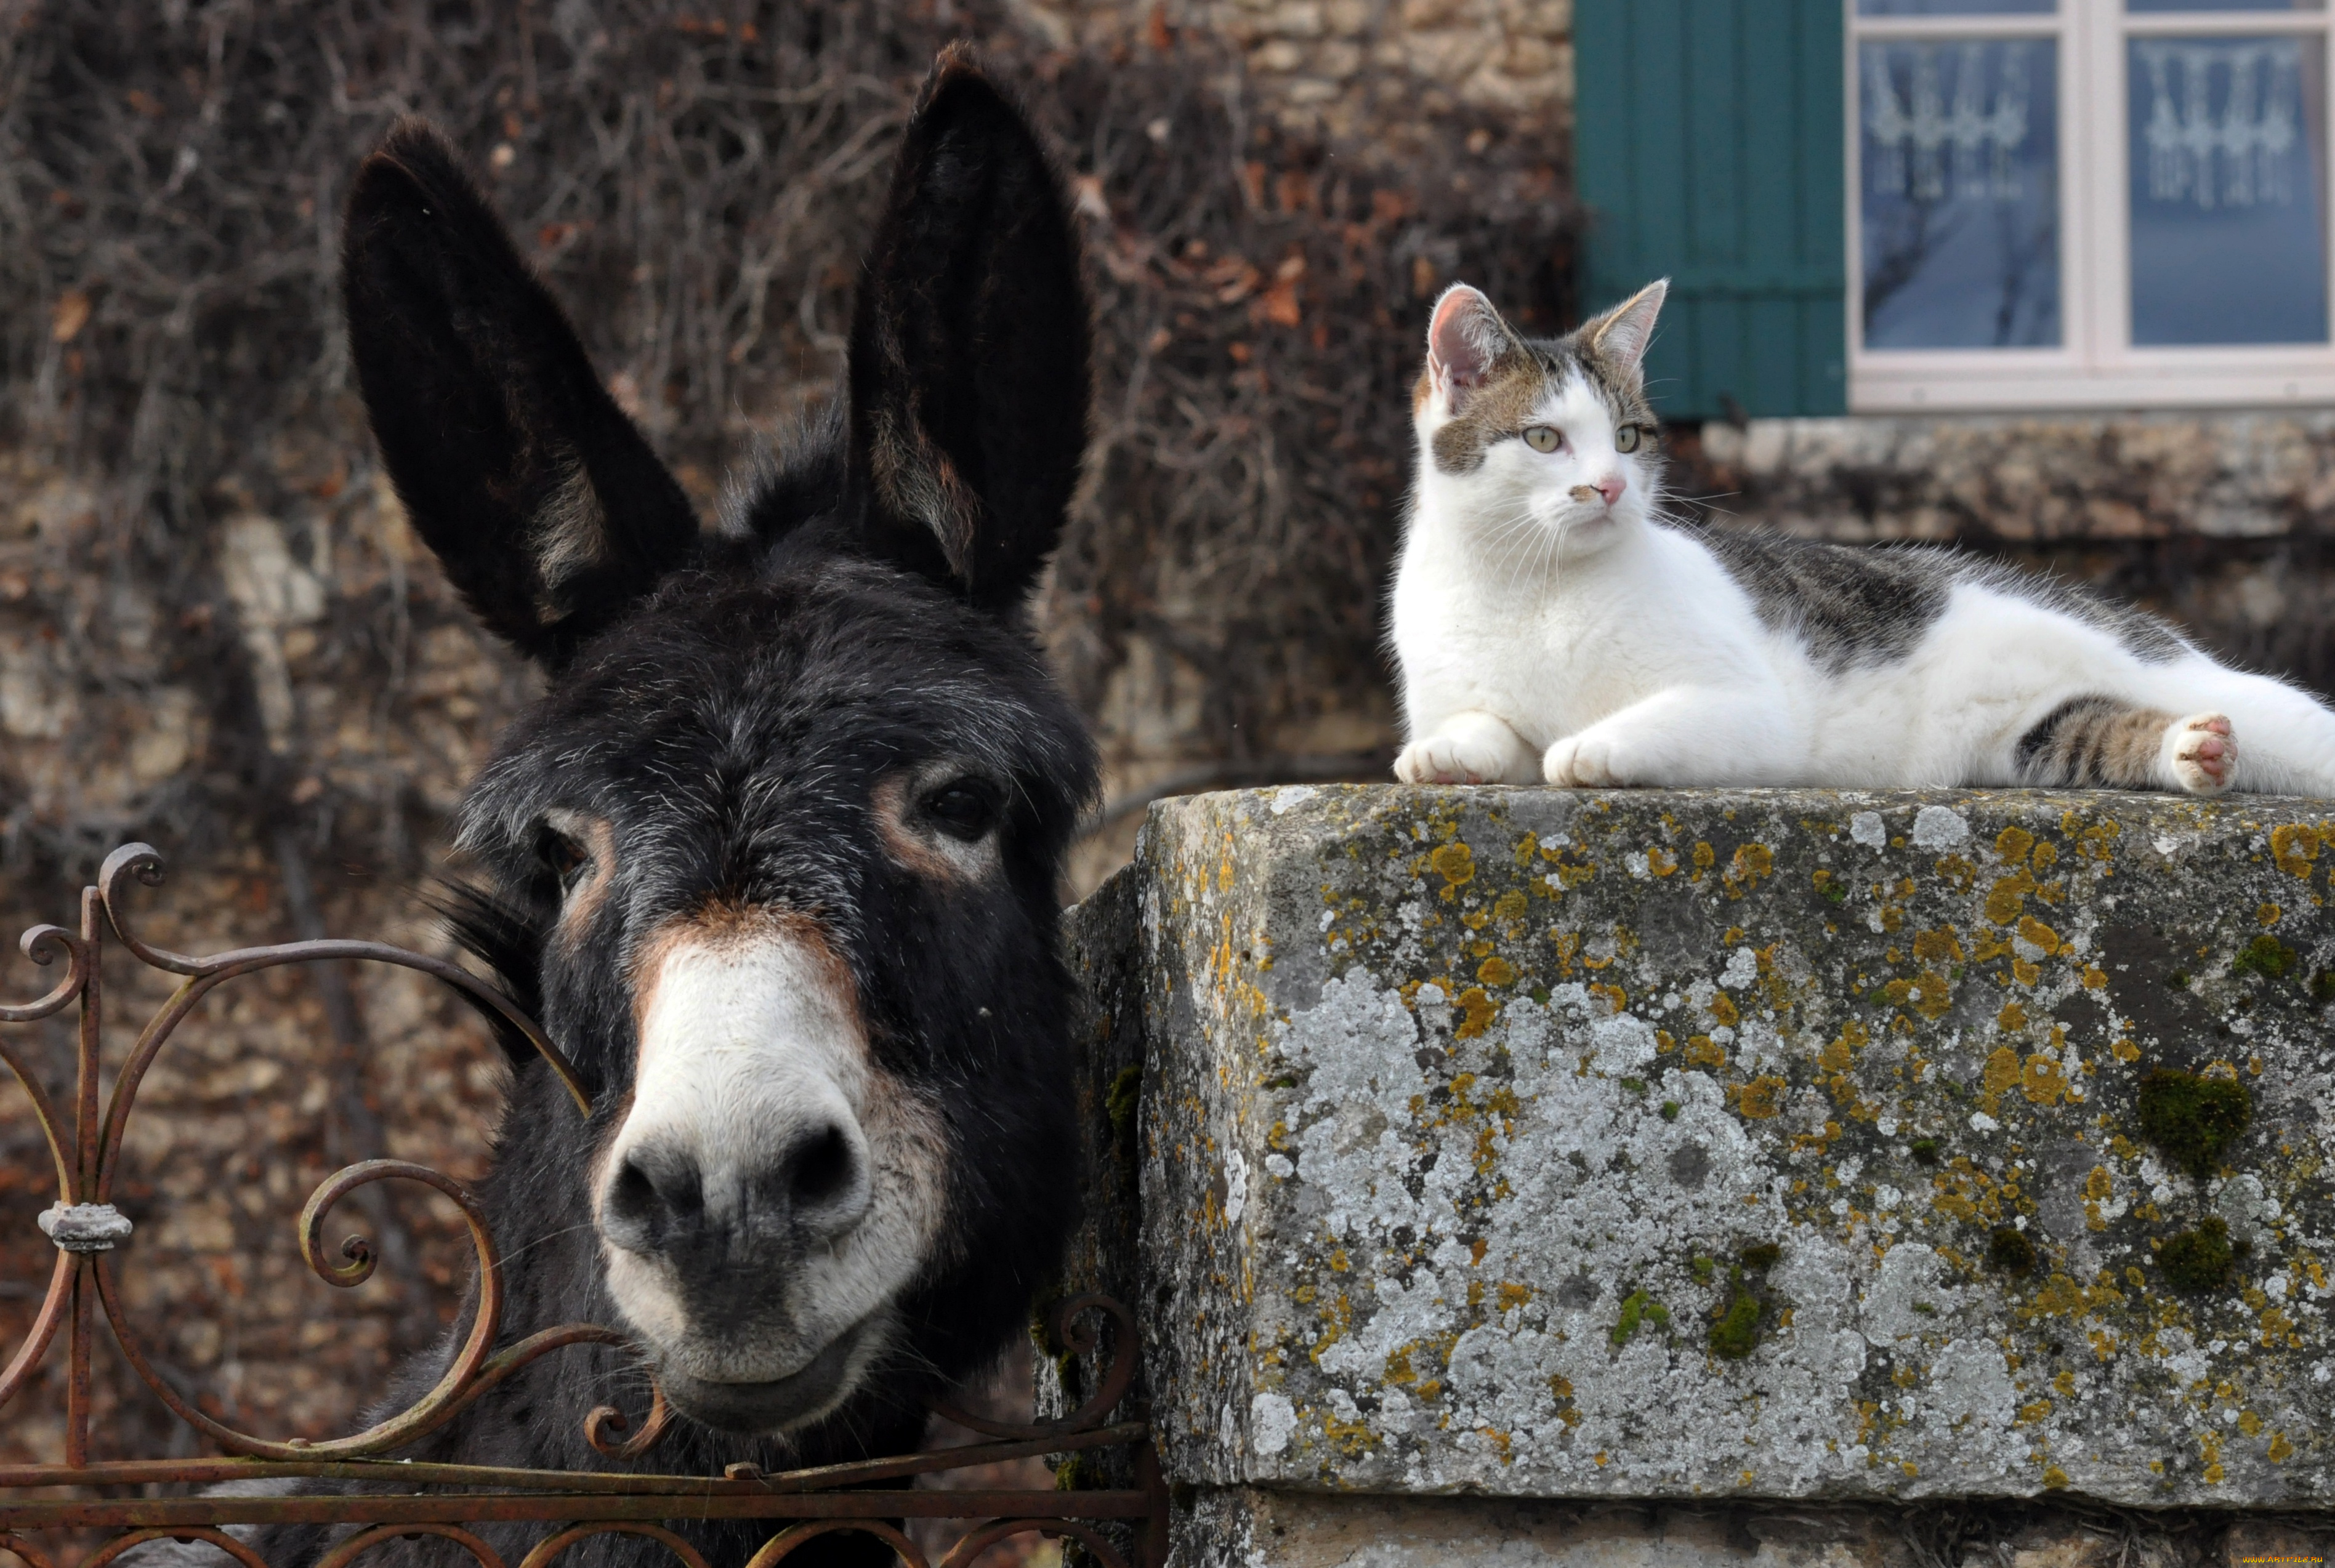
(1375, 72)
(255, 1103)
(115, 718)
(1259, 1529)
(1734, 1149)
(2030, 478)
(2217, 519)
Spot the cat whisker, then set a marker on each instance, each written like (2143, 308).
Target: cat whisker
(1541, 550)
(1513, 534)
(1554, 566)
(1659, 511)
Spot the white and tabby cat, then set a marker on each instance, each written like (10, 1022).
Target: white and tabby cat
(1551, 625)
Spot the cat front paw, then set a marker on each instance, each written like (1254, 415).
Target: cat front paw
(1450, 760)
(1587, 761)
(2202, 752)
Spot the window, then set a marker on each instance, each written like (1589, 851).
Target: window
(2087, 203)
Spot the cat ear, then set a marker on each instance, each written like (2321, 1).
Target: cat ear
(1622, 334)
(1465, 338)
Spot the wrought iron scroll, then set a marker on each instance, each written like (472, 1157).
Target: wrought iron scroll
(84, 1139)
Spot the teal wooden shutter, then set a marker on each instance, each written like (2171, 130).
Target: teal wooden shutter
(1708, 147)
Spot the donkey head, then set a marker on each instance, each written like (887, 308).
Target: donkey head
(775, 854)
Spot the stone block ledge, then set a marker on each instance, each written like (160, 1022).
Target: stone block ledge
(1724, 1145)
(1246, 1527)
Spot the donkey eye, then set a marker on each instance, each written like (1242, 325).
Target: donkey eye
(561, 856)
(1543, 437)
(1626, 439)
(965, 808)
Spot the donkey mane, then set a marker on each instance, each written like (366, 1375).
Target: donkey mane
(774, 858)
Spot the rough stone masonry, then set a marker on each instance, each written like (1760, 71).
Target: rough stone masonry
(1764, 1144)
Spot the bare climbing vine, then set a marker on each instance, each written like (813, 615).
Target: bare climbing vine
(204, 525)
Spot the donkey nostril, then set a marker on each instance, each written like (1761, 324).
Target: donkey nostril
(822, 1169)
(654, 1195)
(820, 1183)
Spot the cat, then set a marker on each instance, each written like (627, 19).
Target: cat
(1551, 623)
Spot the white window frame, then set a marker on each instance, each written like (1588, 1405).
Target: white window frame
(2096, 365)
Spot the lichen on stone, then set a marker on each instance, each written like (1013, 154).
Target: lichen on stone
(1414, 1189)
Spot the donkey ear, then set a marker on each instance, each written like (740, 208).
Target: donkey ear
(547, 506)
(1622, 334)
(1465, 339)
(968, 367)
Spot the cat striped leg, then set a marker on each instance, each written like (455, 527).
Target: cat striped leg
(2103, 743)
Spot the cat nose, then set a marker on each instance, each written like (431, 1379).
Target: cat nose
(1611, 487)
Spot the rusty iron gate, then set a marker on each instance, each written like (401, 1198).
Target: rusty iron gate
(84, 1138)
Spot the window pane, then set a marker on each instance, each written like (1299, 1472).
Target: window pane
(2225, 4)
(1956, 7)
(2228, 146)
(1960, 213)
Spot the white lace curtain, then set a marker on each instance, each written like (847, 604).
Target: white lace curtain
(1945, 136)
(2240, 156)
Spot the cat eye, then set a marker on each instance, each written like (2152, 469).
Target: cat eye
(1625, 438)
(1543, 437)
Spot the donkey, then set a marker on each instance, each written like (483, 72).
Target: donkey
(775, 858)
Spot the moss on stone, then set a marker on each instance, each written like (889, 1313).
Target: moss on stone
(1762, 1255)
(2192, 1119)
(1120, 1101)
(1925, 1150)
(2010, 1250)
(2323, 985)
(2265, 955)
(2198, 1260)
(1737, 1328)
(1638, 1310)
(1671, 1110)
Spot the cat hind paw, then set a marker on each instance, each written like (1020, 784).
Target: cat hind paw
(2202, 752)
